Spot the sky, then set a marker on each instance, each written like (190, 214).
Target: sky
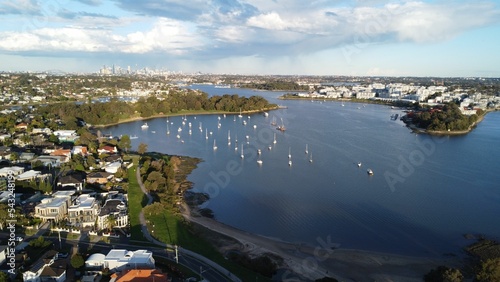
(458, 38)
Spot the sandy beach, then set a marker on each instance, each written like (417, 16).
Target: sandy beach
(325, 259)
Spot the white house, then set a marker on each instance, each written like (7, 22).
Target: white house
(47, 268)
(54, 208)
(118, 260)
(15, 170)
(112, 167)
(115, 208)
(83, 212)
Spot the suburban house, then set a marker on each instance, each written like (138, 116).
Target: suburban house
(15, 170)
(49, 161)
(54, 208)
(66, 135)
(72, 181)
(79, 150)
(26, 156)
(4, 153)
(113, 167)
(21, 126)
(99, 177)
(83, 212)
(118, 260)
(115, 208)
(45, 130)
(66, 153)
(107, 150)
(47, 268)
(139, 275)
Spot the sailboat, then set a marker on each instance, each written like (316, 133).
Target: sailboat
(290, 162)
(240, 116)
(168, 130)
(206, 134)
(274, 140)
(259, 161)
(242, 155)
(273, 122)
(200, 127)
(311, 158)
(289, 152)
(229, 137)
(215, 146)
(307, 151)
(145, 126)
(369, 171)
(282, 126)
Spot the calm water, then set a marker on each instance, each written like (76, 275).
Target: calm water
(426, 192)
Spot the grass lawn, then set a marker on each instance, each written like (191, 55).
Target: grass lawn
(135, 204)
(172, 229)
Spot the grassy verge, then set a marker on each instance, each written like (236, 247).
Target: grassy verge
(135, 203)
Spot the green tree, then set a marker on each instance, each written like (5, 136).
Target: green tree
(77, 261)
(110, 222)
(4, 277)
(142, 148)
(125, 143)
(489, 271)
(444, 274)
(4, 215)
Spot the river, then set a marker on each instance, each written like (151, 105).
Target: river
(425, 194)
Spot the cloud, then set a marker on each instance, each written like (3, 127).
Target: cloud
(174, 9)
(70, 15)
(19, 7)
(167, 36)
(263, 28)
(91, 2)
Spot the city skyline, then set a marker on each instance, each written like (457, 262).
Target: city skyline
(363, 38)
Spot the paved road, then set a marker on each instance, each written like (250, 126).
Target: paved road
(208, 269)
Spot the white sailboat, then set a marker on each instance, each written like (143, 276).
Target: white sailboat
(206, 134)
(215, 146)
(359, 164)
(242, 155)
(240, 116)
(168, 129)
(307, 151)
(274, 140)
(311, 158)
(282, 126)
(273, 122)
(259, 161)
(289, 152)
(145, 126)
(200, 127)
(229, 137)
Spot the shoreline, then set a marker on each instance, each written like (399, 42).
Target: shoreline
(183, 114)
(327, 260)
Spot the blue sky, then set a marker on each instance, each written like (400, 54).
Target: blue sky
(322, 37)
